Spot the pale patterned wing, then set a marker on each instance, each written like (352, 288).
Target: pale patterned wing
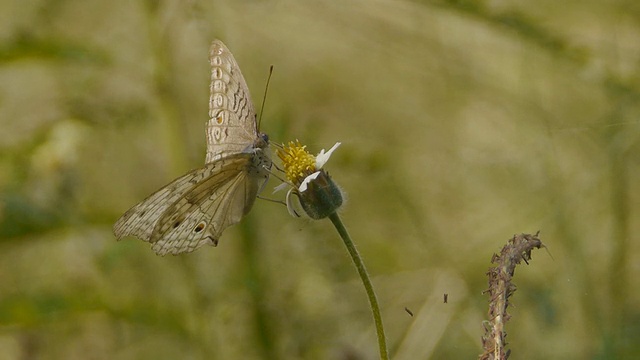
(232, 124)
(201, 215)
(141, 220)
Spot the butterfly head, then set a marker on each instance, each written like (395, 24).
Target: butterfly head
(262, 141)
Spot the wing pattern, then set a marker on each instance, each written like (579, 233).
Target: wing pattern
(232, 118)
(195, 208)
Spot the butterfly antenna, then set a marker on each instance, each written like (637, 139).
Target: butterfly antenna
(264, 98)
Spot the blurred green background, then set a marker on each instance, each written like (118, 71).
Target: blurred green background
(462, 123)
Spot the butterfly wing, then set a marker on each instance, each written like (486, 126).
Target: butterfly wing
(217, 195)
(232, 126)
(194, 209)
(140, 220)
(200, 216)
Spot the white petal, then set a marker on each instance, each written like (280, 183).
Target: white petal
(290, 206)
(282, 186)
(307, 180)
(323, 157)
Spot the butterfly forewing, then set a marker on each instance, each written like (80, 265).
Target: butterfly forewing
(200, 216)
(141, 220)
(232, 117)
(194, 209)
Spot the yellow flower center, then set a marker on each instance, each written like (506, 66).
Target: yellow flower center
(297, 161)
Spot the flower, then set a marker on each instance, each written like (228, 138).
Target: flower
(319, 196)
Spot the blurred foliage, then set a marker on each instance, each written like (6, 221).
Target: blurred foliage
(462, 123)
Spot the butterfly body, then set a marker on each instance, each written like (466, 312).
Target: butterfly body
(194, 209)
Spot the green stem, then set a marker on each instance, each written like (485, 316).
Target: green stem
(373, 301)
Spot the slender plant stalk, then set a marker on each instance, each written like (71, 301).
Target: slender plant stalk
(501, 287)
(373, 301)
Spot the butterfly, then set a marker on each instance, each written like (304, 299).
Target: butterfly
(194, 209)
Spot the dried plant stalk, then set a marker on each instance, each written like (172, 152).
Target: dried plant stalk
(500, 290)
